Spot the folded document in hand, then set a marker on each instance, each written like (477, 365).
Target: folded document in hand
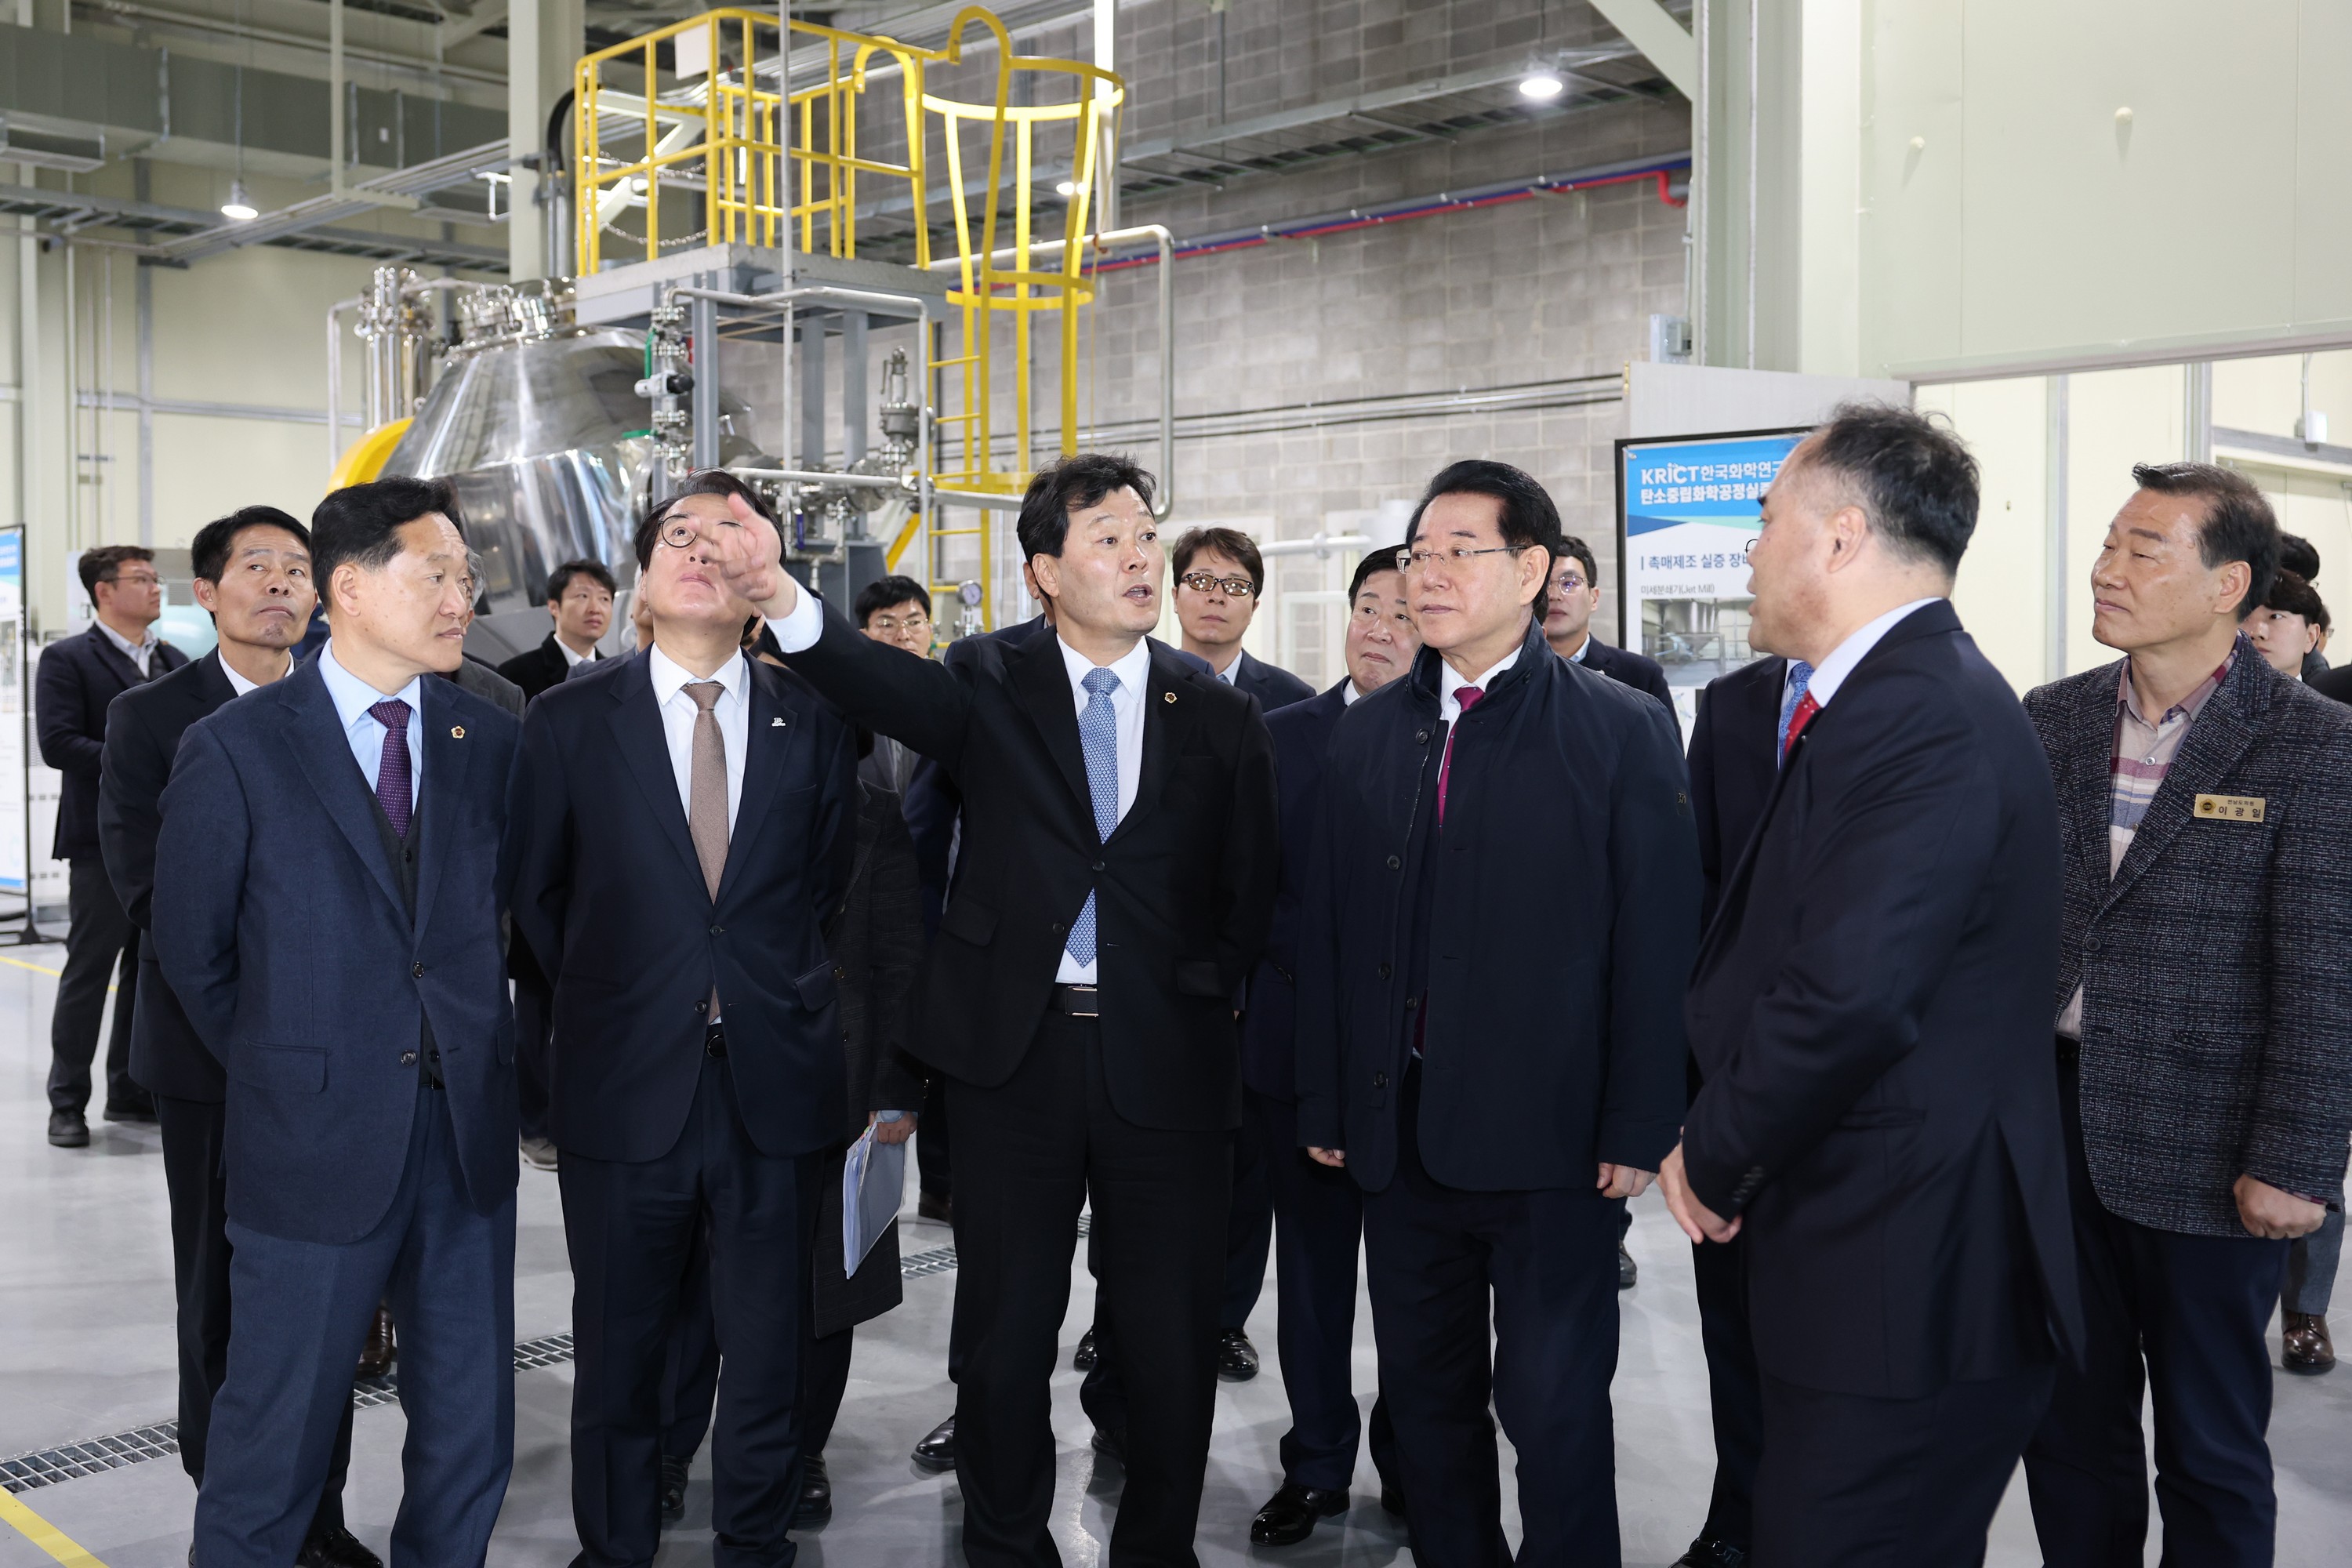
(873, 1185)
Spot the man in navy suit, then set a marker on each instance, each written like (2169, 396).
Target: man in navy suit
(253, 575)
(1220, 582)
(1574, 595)
(1496, 1066)
(684, 823)
(326, 909)
(1868, 1013)
(1735, 756)
(79, 677)
(1318, 1213)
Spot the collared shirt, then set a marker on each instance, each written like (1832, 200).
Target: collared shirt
(1233, 667)
(2136, 764)
(1134, 671)
(239, 686)
(139, 653)
(1348, 693)
(353, 698)
(1450, 685)
(679, 711)
(572, 659)
(1582, 649)
(1831, 673)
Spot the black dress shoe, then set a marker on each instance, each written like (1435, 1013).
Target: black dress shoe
(1236, 1357)
(336, 1548)
(816, 1496)
(1110, 1446)
(1626, 1272)
(935, 1206)
(936, 1452)
(68, 1130)
(673, 1488)
(1289, 1515)
(1084, 1358)
(1712, 1552)
(376, 1355)
(140, 1113)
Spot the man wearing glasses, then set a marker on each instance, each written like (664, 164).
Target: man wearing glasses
(682, 824)
(1496, 1066)
(1574, 594)
(1219, 579)
(897, 611)
(79, 677)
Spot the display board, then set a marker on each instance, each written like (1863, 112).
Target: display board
(1687, 509)
(16, 717)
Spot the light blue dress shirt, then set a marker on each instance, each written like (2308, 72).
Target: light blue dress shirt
(353, 698)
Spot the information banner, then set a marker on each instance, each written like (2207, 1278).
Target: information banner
(1687, 510)
(14, 711)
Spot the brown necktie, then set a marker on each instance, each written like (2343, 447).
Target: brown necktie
(705, 795)
(706, 790)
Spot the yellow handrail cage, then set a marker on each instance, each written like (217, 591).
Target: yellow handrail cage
(717, 132)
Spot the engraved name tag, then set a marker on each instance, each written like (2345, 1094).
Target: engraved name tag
(2231, 807)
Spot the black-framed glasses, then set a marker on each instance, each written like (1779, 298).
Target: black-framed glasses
(1408, 559)
(1234, 587)
(679, 533)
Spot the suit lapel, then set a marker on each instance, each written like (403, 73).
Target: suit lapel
(766, 748)
(1168, 713)
(118, 663)
(448, 762)
(2217, 738)
(323, 752)
(1041, 683)
(636, 726)
(211, 687)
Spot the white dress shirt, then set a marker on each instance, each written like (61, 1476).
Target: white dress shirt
(733, 711)
(238, 684)
(1134, 671)
(572, 660)
(1450, 685)
(139, 653)
(353, 698)
(1831, 673)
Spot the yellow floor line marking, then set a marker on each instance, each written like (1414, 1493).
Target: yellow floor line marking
(44, 1534)
(38, 968)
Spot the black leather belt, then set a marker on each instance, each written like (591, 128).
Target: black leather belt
(1073, 1001)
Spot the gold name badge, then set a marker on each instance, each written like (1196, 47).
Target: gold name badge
(2231, 807)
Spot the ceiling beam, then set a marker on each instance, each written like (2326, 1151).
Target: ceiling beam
(1664, 42)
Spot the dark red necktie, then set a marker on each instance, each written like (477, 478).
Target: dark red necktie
(1469, 697)
(1806, 709)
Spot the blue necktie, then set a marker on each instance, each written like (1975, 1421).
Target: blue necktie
(1099, 733)
(1801, 675)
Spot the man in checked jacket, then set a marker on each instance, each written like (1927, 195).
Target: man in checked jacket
(2204, 1023)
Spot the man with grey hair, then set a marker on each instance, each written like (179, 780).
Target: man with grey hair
(1875, 1114)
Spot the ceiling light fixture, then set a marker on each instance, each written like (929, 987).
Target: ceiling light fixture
(1067, 188)
(1543, 83)
(239, 207)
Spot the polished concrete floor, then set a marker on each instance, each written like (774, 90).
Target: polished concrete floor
(86, 1352)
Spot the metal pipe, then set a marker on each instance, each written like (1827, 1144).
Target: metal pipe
(821, 477)
(1321, 544)
(335, 381)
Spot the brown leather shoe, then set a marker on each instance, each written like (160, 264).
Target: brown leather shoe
(2305, 1347)
(376, 1355)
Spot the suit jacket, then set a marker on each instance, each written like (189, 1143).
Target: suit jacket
(1563, 909)
(536, 669)
(1301, 734)
(1637, 670)
(1871, 1014)
(1734, 753)
(78, 679)
(281, 927)
(2332, 683)
(1184, 885)
(875, 940)
(2217, 1018)
(478, 677)
(142, 735)
(1273, 685)
(610, 897)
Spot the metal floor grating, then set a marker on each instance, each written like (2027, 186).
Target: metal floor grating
(71, 1461)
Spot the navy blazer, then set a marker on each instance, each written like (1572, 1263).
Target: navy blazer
(1870, 1015)
(1302, 733)
(143, 736)
(1564, 913)
(1637, 670)
(1273, 685)
(611, 898)
(282, 928)
(78, 679)
(1734, 759)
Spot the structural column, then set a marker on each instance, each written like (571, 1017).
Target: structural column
(545, 39)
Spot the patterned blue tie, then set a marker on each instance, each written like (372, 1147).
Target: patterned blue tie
(1801, 675)
(1099, 733)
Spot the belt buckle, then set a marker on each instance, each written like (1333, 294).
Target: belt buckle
(1089, 991)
